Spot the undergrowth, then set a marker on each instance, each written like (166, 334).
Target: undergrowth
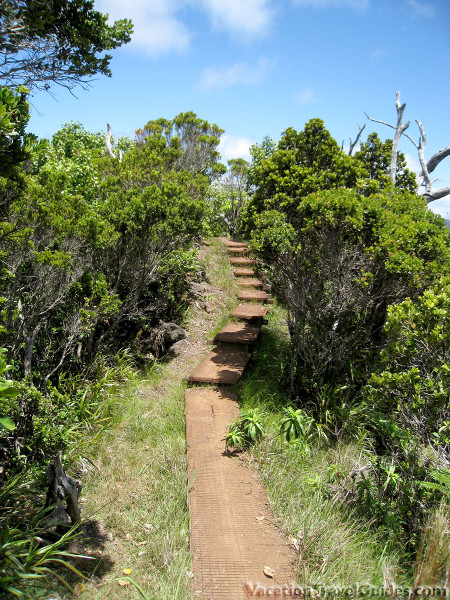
(335, 547)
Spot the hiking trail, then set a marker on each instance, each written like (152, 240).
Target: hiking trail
(237, 550)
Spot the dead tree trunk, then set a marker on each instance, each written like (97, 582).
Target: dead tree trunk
(108, 141)
(426, 167)
(109, 149)
(400, 129)
(62, 488)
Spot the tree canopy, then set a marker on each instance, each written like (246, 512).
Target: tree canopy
(43, 42)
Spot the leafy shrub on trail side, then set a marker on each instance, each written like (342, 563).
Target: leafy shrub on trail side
(375, 156)
(407, 411)
(412, 382)
(302, 163)
(338, 262)
(246, 430)
(101, 255)
(103, 247)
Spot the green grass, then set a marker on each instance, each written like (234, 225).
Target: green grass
(136, 497)
(335, 547)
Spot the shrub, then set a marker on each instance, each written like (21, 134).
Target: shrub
(339, 261)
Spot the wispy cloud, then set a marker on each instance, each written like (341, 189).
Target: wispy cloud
(353, 4)
(159, 27)
(412, 162)
(239, 73)
(248, 18)
(420, 10)
(157, 30)
(378, 53)
(307, 96)
(235, 147)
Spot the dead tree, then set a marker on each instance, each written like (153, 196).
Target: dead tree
(400, 129)
(62, 488)
(353, 144)
(109, 149)
(426, 167)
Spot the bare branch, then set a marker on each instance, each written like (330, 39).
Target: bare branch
(353, 144)
(436, 194)
(437, 158)
(377, 121)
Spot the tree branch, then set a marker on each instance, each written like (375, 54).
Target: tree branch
(437, 158)
(353, 144)
(436, 194)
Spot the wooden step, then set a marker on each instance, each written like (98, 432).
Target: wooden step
(221, 367)
(249, 312)
(252, 295)
(242, 250)
(238, 333)
(241, 260)
(232, 244)
(243, 272)
(249, 282)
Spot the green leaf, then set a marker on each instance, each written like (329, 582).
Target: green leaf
(6, 423)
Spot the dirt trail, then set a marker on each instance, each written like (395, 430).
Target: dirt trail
(237, 550)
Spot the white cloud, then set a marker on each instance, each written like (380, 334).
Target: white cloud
(234, 147)
(307, 96)
(442, 207)
(157, 30)
(412, 162)
(353, 4)
(420, 10)
(250, 18)
(239, 73)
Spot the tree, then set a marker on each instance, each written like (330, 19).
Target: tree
(14, 116)
(43, 42)
(192, 141)
(338, 262)
(375, 156)
(302, 163)
(102, 249)
(426, 167)
(235, 183)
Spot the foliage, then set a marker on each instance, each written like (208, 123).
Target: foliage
(56, 41)
(295, 424)
(246, 430)
(302, 163)
(189, 144)
(375, 156)
(8, 391)
(101, 255)
(411, 383)
(338, 261)
(29, 559)
(227, 199)
(15, 145)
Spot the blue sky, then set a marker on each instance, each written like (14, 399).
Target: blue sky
(256, 67)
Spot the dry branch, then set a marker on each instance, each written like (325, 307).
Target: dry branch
(62, 488)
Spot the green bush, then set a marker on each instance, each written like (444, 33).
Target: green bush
(412, 382)
(338, 263)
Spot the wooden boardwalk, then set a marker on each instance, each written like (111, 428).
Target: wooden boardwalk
(233, 536)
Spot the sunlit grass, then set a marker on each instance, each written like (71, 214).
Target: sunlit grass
(334, 547)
